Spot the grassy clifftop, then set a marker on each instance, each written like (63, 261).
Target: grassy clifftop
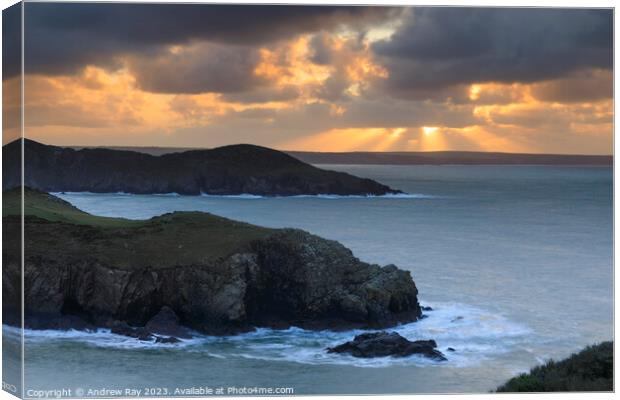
(217, 275)
(51, 208)
(590, 370)
(55, 227)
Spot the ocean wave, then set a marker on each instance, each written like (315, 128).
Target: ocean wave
(248, 196)
(476, 334)
(368, 196)
(98, 338)
(60, 194)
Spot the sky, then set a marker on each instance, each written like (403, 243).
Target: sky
(312, 78)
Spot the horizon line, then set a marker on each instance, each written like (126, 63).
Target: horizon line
(188, 148)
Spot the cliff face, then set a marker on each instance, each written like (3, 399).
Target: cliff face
(261, 277)
(225, 170)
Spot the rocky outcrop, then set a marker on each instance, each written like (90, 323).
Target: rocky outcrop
(80, 276)
(229, 170)
(167, 323)
(384, 344)
(164, 327)
(140, 333)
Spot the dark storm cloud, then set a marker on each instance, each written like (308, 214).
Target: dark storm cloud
(587, 86)
(11, 43)
(263, 94)
(439, 47)
(202, 68)
(61, 38)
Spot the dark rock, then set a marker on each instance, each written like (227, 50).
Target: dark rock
(57, 322)
(426, 308)
(315, 283)
(166, 322)
(140, 333)
(383, 344)
(235, 169)
(290, 278)
(450, 349)
(134, 272)
(168, 340)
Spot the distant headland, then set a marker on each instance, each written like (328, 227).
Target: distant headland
(416, 157)
(229, 170)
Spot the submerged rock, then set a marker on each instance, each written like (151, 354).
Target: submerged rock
(383, 344)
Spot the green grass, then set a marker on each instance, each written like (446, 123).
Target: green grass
(590, 370)
(52, 208)
(54, 228)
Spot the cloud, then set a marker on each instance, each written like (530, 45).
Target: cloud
(11, 41)
(61, 38)
(328, 77)
(591, 85)
(447, 46)
(201, 67)
(265, 95)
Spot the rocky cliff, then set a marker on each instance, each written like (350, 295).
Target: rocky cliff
(228, 170)
(218, 275)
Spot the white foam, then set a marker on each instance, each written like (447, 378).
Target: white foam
(60, 194)
(248, 196)
(369, 196)
(98, 338)
(245, 196)
(477, 336)
(112, 194)
(171, 194)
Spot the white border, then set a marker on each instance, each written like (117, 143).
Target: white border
(479, 3)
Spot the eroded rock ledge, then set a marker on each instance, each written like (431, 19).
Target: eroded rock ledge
(277, 278)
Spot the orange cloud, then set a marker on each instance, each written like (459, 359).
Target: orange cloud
(327, 77)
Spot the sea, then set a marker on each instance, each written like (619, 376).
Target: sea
(516, 263)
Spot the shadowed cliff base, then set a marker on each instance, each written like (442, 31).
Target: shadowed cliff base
(219, 276)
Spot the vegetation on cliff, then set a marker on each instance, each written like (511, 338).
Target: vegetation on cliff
(590, 370)
(177, 238)
(217, 275)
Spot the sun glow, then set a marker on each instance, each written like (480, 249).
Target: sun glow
(397, 132)
(348, 139)
(429, 130)
(474, 92)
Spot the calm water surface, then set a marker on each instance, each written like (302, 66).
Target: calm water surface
(522, 253)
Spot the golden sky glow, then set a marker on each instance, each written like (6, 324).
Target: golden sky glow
(325, 90)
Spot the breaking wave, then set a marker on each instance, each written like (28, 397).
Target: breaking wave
(474, 333)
